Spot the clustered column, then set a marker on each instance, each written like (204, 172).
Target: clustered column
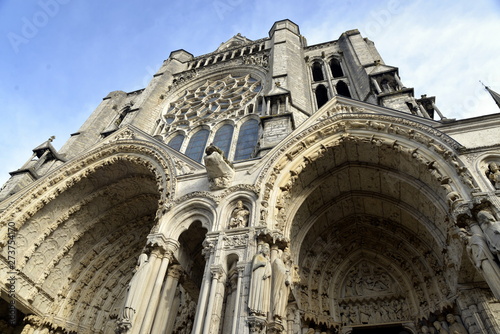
(166, 305)
(146, 285)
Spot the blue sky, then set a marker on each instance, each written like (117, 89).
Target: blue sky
(59, 58)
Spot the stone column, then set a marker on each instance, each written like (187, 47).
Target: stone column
(376, 85)
(423, 111)
(165, 250)
(290, 318)
(146, 286)
(241, 270)
(436, 109)
(218, 278)
(167, 297)
(208, 251)
(398, 80)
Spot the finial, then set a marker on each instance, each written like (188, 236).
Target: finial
(51, 139)
(485, 87)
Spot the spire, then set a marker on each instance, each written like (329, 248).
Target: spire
(493, 94)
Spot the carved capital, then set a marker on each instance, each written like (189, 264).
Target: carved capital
(123, 326)
(175, 271)
(256, 324)
(164, 246)
(275, 328)
(217, 272)
(209, 247)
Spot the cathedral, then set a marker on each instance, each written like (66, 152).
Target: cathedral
(269, 186)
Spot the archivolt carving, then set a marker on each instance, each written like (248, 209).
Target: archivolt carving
(342, 123)
(293, 156)
(73, 172)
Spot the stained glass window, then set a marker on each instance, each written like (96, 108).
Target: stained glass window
(247, 140)
(176, 142)
(197, 145)
(222, 138)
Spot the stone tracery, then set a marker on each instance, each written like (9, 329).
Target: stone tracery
(215, 99)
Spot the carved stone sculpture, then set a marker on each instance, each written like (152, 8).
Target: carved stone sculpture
(239, 216)
(220, 171)
(281, 284)
(482, 258)
(454, 326)
(439, 328)
(134, 293)
(493, 174)
(491, 230)
(260, 286)
(475, 247)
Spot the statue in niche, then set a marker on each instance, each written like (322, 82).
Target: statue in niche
(260, 286)
(239, 216)
(281, 284)
(491, 230)
(454, 326)
(135, 287)
(493, 174)
(263, 212)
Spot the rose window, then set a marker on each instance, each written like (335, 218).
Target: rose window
(214, 99)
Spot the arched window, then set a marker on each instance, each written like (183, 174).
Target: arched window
(176, 142)
(247, 140)
(321, 95)
(336, 69)
(222, 138)
(342, 89)
(197, 145)
(317, 71)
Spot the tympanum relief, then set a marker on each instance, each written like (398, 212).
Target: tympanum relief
(371, 296)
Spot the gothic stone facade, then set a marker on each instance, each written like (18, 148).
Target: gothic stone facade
(266, 187)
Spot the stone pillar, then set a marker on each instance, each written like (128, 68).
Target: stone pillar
(376, 85)
(290, 318)
(398, 80)
(167, 297)
(165, 251)
(241, 270)
(145, 287)
(436, 109)
(216, 299)
(423, 111)
(208, 251)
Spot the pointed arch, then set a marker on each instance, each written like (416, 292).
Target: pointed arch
(197, 144)
(317, 71)
(247, 140)
(77, 249)
(321, 95)
(368, 184)
(343, 89)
